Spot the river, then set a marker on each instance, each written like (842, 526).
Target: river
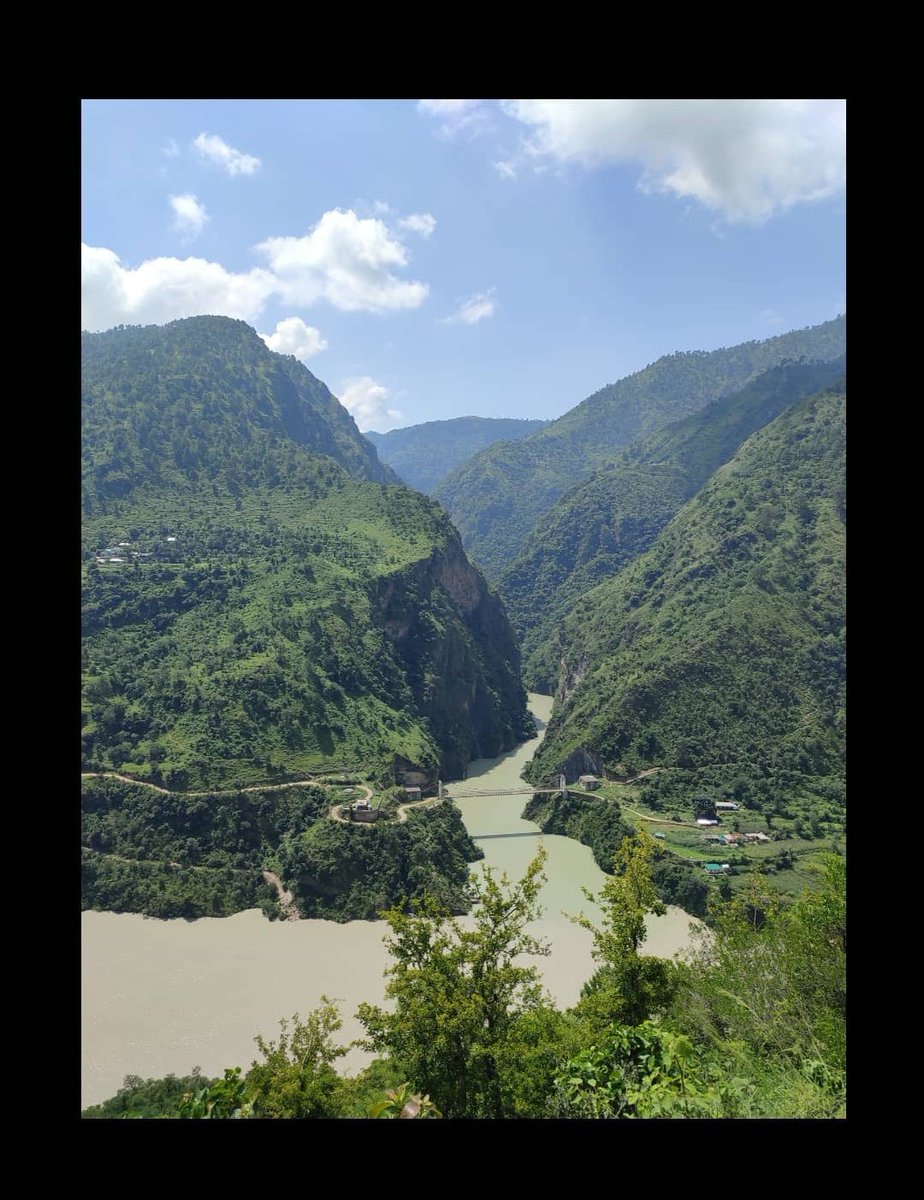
(165, 996)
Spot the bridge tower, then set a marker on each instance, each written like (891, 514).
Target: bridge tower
(562, 786)
(439, 789)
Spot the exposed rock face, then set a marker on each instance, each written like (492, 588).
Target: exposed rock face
(461, 656)
(581, 762)
(570, 679)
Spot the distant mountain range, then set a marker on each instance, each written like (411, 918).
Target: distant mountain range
(423, 455)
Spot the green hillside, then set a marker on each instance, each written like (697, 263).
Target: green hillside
(719, 653)
(257, 604)
(423, 455)
(497, 497)
(599, 526)
(203, 855)
(203, 402)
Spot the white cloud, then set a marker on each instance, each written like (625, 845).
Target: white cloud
(745, 159)
(170, 149)
(346, 261)
(506, 168)
(293, 336)
(366, 402)
(422, 223)
(381, 208)
(476, 308)
(469, 117)
(189, 216)
(447, 108)
(210, 146)
(164, 289)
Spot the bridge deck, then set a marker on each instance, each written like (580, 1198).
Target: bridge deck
(455, 794)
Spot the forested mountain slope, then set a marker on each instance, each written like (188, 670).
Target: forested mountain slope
(599, 526)
(720, 651)
(423, 455)
(497, 497)
(203, 400)
(255, 605)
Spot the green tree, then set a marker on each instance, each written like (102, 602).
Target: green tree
(458, 994)
(770, 983)
(628, 987)
(297, 1077)
(640, 1071)
(225, 1099)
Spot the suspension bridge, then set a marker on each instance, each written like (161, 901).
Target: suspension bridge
(444, 793)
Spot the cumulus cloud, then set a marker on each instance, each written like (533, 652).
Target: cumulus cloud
(189, 216)
(367, 403)
(293, 336)
(164, 289)
(744, 159)
(476, 308)
(347, 261)
(216, 150)
(422, 223)
(170, 149)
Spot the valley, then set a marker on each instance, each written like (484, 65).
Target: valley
(302, 700)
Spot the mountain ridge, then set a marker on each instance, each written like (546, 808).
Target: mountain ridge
(496, 497)
(601, 524)
(423, 454)
(720, 650)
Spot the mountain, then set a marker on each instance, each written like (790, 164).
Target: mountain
(170, 408)
(497, 497)
(719, 653)
(423, 455)
(259, 602)
(600, 525)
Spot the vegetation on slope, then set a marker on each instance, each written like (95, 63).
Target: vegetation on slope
(255, 608)
(423, 455)
(348, 873)
(599, 526)
(202, 401)
(168, 855)
(497, 497)
(721, 649)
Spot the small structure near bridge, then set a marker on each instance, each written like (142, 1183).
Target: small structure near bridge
(413, 793)
(362, 811)
(589, 782)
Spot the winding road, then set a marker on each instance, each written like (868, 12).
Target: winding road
(286, 899)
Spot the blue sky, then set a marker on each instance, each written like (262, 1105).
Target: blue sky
(432, 259)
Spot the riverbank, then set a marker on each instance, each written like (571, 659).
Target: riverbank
(165, 996)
